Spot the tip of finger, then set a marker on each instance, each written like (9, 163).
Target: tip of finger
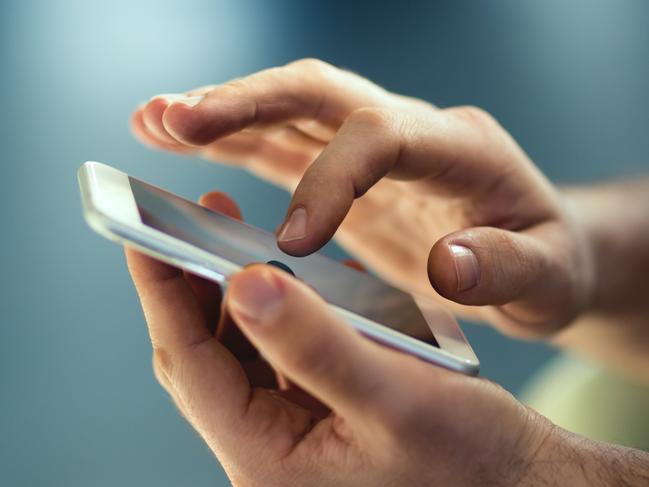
(221, 202)
(249, 276)
(136, 115)
(154, 107)
(256, 271)
(441, 270)
(166, 98)
(184, 124)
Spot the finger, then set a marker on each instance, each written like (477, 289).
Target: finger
(201, 90)
(484, 265)
(354, 264)
(303, 339)
(306, 89)
(364, 150)
(143, 135)
(152, 118)
(299, 396)
(255, 146)
(202, 373)
(221, 202)
(229, 334)
(225, 330)
(453, 154)
(207, 292)
(292, 137)
(209, 296)
(274, 161)
(237, 148)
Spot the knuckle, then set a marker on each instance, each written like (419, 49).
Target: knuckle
(161, 366)
(275, 73)
(420, 104)
(377, 119)
(311, 65)
(311, 358)
(502, 242)
(159, 375)
(507, 253)
(234, 85)
(474, 115)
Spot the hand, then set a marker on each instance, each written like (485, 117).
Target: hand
(346, 411)
(447, 191)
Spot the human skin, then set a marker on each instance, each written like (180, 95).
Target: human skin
(328, 407)
(425, 196)
(422, 196)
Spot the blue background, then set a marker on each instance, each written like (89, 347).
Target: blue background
(79, 405)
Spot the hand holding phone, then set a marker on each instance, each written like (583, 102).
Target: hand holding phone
(215, 246)
(349, 411)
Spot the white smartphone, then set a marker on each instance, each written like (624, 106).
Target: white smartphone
(212, 245)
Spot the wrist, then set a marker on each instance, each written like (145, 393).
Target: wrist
(611, 221)
(555, 462)
(569, 459)
(585, 243)
(612, 328)
(540, 456)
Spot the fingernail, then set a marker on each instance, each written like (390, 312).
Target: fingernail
(466, 267)
(190, 101)
(295, 226)
(255, 297)
(180, 98)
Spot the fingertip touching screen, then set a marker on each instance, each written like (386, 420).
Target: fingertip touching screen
(241, 244)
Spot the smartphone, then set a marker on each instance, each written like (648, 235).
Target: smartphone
(212, 245)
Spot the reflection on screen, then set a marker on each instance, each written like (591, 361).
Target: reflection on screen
(242, 244)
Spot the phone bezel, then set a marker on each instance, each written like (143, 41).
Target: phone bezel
(110, 209)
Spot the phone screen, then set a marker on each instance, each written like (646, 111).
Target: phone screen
(243, 244)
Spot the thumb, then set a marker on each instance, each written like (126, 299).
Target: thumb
(530, 276)
(302, 337)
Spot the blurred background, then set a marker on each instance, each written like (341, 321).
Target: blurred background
(79, 405)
